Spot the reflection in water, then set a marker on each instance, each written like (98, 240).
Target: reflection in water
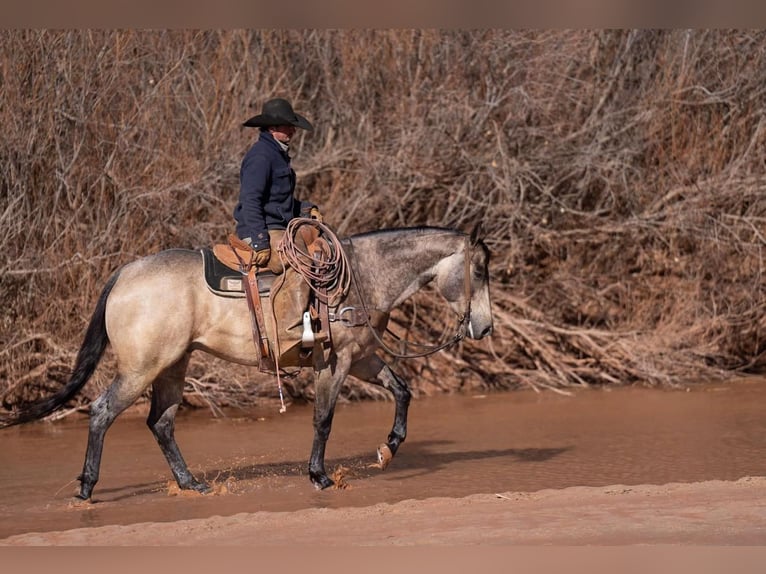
(457, 445)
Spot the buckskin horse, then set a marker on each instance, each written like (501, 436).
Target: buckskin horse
(157, 310)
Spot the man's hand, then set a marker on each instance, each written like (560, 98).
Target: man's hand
(262, 257)
(314, 214)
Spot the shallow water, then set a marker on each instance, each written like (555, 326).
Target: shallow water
(457, 445)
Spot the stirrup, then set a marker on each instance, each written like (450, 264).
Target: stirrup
(307, 339)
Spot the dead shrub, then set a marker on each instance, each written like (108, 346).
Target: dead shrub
(618, 175)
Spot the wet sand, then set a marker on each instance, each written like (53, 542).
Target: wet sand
(708, 513)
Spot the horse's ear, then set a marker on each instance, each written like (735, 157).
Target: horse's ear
(476, 233)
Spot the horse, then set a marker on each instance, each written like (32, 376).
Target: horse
(157, 310)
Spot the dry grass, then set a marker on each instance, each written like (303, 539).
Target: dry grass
(619, 177)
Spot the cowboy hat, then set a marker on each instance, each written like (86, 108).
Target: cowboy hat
(278, 112)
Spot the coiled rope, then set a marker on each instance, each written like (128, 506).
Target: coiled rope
(328, 276)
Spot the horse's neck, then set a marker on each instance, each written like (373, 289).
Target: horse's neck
(393, 268)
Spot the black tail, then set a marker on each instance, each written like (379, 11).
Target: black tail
(88, 357)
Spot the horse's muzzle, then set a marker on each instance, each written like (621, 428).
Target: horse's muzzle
(479, 333)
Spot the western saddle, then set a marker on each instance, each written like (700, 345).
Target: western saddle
(230, 271)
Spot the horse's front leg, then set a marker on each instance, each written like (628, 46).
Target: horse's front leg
(374, 370)
(327, 385)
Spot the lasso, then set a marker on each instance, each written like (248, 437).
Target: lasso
(328, 276)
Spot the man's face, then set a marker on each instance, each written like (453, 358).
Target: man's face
(282, 133)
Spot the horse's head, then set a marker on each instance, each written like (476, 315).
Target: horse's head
(464, 282)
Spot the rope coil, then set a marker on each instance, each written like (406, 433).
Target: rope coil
(328, 276)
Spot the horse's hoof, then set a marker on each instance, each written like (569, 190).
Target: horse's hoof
(321, 481)
(84, 494)
(78, 501)
(201, 487)
(191, 484)
(384, 456)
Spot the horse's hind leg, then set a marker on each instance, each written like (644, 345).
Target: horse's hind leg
(374, 370)
(167, 393)
(122, 393)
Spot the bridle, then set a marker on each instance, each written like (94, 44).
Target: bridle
(463, 319)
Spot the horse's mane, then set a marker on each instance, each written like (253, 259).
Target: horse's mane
(421, 230)
(417, 230)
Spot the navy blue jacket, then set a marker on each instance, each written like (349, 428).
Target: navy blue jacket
(266, 187)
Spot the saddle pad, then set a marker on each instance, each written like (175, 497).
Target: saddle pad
(221, 280)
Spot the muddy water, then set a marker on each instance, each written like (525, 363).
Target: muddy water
(457, 445)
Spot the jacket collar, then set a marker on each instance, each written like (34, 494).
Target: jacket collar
(279, 146)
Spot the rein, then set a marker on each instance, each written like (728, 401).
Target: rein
(429, 349)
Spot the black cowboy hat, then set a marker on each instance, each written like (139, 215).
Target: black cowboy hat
(278, 112)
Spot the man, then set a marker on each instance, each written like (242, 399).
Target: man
(267, 183)
(266, 205)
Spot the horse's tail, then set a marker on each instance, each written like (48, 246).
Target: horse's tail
(88, 357)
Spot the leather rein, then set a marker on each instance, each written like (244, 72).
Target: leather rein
(463, 319)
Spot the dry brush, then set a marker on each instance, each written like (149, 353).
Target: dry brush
(619, 178)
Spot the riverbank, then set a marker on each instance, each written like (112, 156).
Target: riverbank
(703, 513)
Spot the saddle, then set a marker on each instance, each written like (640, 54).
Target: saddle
(223, 276)
(229, 272)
